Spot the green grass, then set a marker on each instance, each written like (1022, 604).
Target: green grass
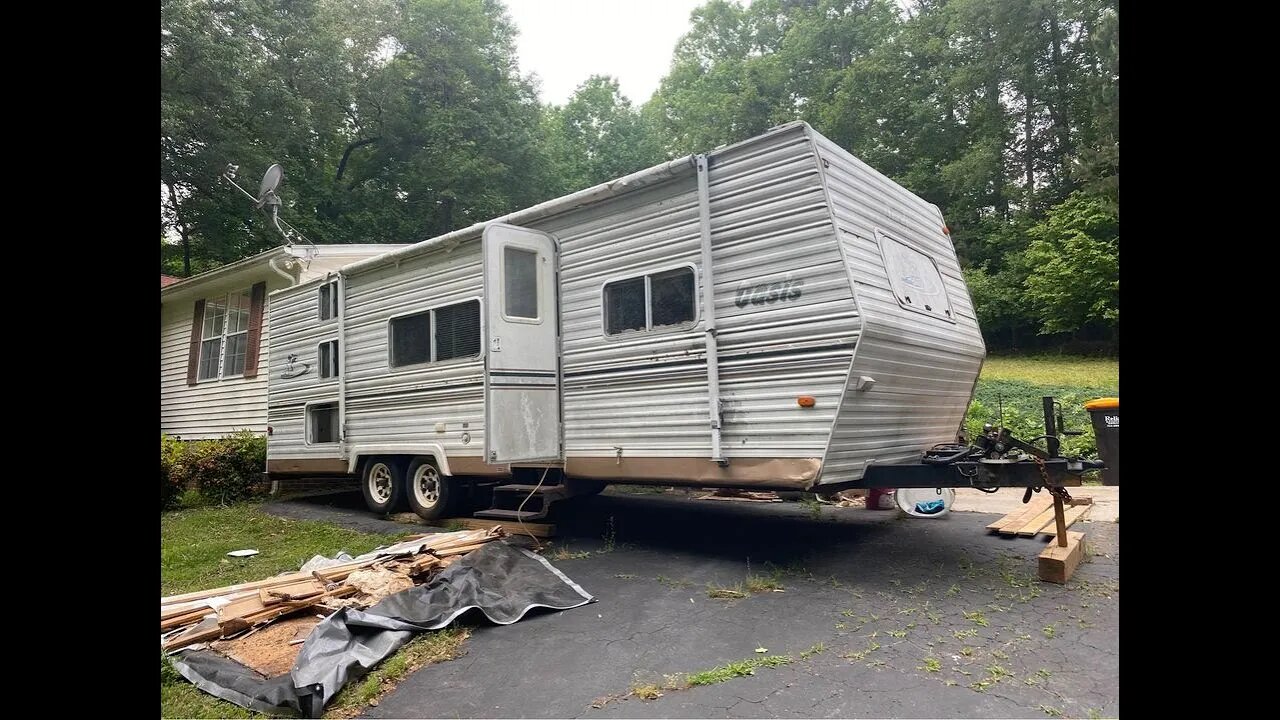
(1018, 383)
(193, 547)
(423, 650)
(741, 668)
(1054, 370)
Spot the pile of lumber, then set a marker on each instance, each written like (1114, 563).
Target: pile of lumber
(223, 612)
(1036, 517)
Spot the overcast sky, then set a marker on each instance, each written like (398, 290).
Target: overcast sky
(564, 42)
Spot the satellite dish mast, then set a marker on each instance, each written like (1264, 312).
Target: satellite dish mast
(267, 200)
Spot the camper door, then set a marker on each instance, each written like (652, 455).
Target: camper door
(522, 367)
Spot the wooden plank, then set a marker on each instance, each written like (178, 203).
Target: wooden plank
(180, 620)
(541, 530)
(1058, 564)
(1032, 526)
(335, 573)
(292, 591)
(1071, 515)
(240, 608)
(1017, 519)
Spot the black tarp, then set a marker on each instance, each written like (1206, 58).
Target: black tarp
(500, 580)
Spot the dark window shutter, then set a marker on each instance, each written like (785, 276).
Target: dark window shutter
(257, 303)
(193, 354)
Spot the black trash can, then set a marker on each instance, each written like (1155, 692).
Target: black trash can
(1106, 428)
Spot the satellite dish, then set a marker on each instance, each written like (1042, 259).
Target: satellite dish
(270, 181)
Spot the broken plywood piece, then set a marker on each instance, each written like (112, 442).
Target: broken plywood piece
(272, 650)
(1057, 563)
(377, 583)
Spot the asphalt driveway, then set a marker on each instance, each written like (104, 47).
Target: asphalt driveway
(883, 616)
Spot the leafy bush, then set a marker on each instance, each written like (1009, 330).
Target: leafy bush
(172, 476)
(1024, 417)
(221, 471)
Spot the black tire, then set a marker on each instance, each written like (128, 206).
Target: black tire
(382, 484)
(431, 494)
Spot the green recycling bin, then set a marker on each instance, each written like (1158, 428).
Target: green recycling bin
(1106, 428)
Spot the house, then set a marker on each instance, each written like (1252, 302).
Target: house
(213, 337)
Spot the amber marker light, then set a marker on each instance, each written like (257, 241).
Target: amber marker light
(806, 401)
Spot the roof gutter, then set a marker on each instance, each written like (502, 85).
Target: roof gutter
(190, 284)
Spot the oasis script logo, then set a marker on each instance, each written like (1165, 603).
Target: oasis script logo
(787, 288)
(290, 369)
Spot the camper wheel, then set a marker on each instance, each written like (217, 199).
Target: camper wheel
(430, 493)
(383, 484)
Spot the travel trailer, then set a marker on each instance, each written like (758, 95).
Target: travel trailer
(774, 314)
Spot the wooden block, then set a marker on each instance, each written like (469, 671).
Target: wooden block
(1058, 564)
(292, 591)
(1017, 519)
(542, 530)
(1032, 526)
(1071, 515)
(1081, 501)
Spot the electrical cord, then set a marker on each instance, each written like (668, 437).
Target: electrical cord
(520, 511)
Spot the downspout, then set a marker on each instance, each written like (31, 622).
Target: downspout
(272, 264)
(709, 307)
(342, 365)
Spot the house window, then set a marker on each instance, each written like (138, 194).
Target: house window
(224, 337)
(322, 423)
(444, 333)
(650, 302)
(329, 359)
(329, 301)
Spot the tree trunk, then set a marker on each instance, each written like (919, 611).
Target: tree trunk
(1059, 110)
(183, 230)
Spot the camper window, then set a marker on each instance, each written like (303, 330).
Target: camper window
(329, 301)
(224, 336)
(452, 331)
(457, 330)
(328, 352)
(520, 282)
(411, 339)
(915, 279)
(650, 302)
(322, 423)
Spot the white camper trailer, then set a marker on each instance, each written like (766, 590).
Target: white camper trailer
(773, 314)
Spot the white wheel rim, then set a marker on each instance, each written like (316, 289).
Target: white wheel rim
(380, 483)
(426, 486)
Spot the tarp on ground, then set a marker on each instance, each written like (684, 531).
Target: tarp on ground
(500, 580)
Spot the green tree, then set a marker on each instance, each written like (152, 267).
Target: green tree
(598, 136)
(1073, 263)
(393, 119)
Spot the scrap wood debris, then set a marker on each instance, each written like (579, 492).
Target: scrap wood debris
(221, 613)
(742, 495)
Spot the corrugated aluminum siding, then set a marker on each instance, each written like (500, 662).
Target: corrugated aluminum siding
(646, 392)
(924, 367)
(382, 405)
